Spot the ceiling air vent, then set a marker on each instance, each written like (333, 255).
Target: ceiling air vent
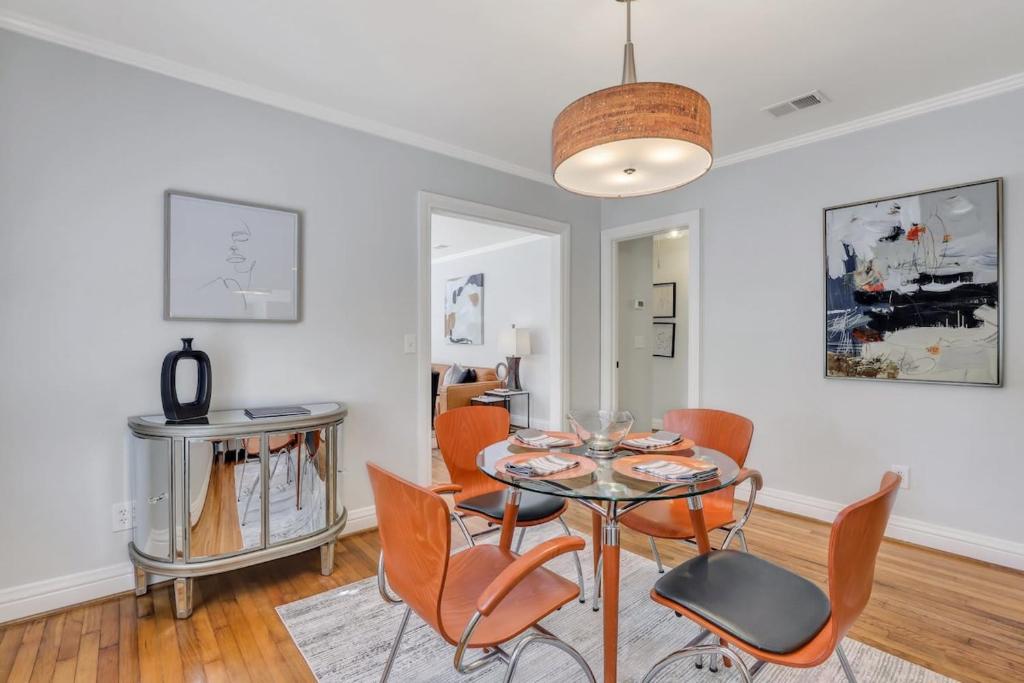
(811, 99)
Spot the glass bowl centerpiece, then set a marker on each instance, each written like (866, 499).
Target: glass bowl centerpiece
(601, 431)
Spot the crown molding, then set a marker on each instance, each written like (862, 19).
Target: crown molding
(975, 92)
(18, 23)
(167, 67)
(489, 248)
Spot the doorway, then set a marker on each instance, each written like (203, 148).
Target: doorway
(650, 317)
(499, 268)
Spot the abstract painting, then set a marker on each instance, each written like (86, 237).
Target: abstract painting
(464, 310)
(912, 287)
(228, 260)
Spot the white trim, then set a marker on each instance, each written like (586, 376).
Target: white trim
(360, 519)
(489, 248)
(19, 23)
(690, 221)
(430, 204)
(956, 541)
(102, 48)
(50, 594)
(975, 92)
(38, 597)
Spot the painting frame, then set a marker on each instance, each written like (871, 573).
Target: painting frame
(998, 181)
(476, 337)
(672, 344)
(654, 300)
(297, 266)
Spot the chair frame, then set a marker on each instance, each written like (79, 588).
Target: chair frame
(491, 653)
(877, 508)
(458, 514)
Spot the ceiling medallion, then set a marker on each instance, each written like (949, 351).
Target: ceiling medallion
(632, 139)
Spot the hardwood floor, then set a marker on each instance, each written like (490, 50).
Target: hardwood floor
(959, 617)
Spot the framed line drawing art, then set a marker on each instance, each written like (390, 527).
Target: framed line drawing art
(663, 300)
(913, 287)
(664, 340)
(227, 260)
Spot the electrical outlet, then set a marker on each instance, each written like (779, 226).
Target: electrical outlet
(121, 516)
(904, 472)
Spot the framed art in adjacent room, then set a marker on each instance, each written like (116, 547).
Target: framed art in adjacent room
(664, 340)
(464, 309)
(913, 287)
(663, 300)
(230, 261)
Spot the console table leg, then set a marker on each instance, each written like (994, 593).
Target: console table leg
(141, 585)
(327, 559)
(183, 598)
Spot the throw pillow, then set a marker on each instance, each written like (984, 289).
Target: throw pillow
(454, 374)
(469, 377)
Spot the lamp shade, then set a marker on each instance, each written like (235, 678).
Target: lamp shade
(632, 139)
(515, 342)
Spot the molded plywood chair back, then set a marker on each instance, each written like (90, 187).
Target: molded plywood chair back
(461, 434)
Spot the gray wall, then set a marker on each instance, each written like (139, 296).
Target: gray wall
(762, 313)
(87, 148)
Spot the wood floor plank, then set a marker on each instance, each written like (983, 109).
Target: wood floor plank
(27, 651)
(46, 659)
(962, 618)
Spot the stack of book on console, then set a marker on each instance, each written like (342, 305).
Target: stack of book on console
(538, 439)
(693, 472)
(654, 441)
(541, 466)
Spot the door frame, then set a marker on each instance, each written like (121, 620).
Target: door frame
(431, 204)
(610, 237)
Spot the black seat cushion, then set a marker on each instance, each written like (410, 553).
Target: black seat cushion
(760, 603)
(532, 506)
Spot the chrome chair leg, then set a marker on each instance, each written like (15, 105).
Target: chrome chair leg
(845, 663)
(738, 664)
(657, 555)
(519, 543)
(394, 647)
(465, 531)
(597, 583)
(241, 477)
(547, 639)
(576, 559)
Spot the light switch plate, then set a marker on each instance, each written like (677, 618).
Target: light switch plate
(639, 342)
(410, 343)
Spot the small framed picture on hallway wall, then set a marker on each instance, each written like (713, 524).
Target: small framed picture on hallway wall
(664, 340)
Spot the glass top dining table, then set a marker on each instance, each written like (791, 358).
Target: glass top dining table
(609, 487)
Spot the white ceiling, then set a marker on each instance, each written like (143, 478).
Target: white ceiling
(485, 78)
(451, 236)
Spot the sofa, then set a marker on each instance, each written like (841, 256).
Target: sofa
(451, 396)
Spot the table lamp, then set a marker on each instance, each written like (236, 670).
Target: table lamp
(514, 343)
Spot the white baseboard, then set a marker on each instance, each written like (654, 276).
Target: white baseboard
(948, 539)
(38, 597)
(360, 519)
(50, 594)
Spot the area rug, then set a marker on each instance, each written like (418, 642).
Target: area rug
(345, 635)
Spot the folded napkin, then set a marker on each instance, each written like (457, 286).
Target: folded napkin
(539, 439)
(656, 440)
(541, 466)
(677, 472)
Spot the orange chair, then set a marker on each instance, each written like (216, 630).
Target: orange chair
(478, 598)
(724, 432)
(772, 614)
(461, 434)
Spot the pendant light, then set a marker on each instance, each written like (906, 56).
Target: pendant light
(632, 139)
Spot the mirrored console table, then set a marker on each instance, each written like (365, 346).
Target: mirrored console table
(228, 491)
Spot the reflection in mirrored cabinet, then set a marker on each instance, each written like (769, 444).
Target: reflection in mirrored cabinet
(224, 496)
(228, 491)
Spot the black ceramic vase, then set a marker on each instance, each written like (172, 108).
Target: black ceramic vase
(198, 407)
